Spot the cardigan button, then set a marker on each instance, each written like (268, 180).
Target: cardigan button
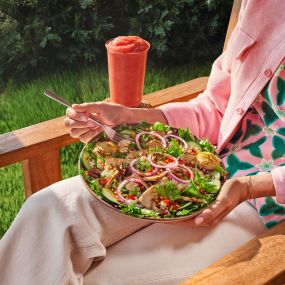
(240, 111)
(268, 73)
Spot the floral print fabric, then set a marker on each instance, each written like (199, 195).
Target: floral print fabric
(259, 143)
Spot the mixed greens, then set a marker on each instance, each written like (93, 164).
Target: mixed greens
(157, 172)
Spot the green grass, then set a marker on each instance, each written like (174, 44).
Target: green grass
(24, 105)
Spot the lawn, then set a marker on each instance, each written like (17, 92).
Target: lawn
(24, 105)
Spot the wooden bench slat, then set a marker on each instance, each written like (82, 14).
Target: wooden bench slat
(259, 261)
(31, 141)
(36, 168)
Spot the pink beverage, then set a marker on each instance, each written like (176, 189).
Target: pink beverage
(127, 57)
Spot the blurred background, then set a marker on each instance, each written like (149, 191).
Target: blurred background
(60, 44)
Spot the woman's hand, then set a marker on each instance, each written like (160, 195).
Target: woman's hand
(80, 126)
(233, 192)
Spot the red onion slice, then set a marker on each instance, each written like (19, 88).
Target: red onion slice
(123, 183)
(182, 181)
(171, 165)
(139, 172)
(179, 139)
(137, 138)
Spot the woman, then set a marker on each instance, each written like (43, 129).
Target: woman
(61, 230)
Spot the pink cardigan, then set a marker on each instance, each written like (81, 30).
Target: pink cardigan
(254, 51)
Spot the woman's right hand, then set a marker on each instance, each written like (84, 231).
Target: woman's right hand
(81, 126)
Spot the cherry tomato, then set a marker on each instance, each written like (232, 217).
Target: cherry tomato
(168, 160)
(175, 206)
(166, 202)
(104, 181)
(188, 174)
(132, 197)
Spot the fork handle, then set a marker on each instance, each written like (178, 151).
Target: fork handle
(62, 101)
(57, 98)
(95, 120)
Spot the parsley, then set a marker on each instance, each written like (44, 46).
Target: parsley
(141, 126)
(201, 182)
(143, 165)
(185, 134)
(156, 149)
(149, 213)
(206, 146)
(174, 148)
(168, 190)
(157, 126)
(221, 170)
(131, 209)
(95, 186)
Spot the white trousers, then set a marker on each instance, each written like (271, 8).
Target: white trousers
(61, 234)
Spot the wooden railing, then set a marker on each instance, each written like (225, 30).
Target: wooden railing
(260, 261)
(38, 146)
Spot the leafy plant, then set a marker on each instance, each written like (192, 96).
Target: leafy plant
(43, 36)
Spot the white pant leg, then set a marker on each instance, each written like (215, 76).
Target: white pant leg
(164, 254)
(57, 233)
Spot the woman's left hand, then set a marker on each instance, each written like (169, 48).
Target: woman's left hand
(233, 192)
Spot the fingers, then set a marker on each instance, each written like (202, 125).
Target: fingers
(85, 134)
(215, 213)
(70, 124)
(76, 133)
(88, 107)
(72, 114)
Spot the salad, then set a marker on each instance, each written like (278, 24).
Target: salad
(156, 172)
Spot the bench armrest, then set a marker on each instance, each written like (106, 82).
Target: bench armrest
(38, 146)
(259, 261)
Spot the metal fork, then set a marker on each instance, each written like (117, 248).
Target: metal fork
(111, 133)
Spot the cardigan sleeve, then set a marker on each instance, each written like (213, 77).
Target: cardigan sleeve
(278, 176)
(203, 115)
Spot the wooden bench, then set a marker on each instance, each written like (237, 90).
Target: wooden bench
(260, 261)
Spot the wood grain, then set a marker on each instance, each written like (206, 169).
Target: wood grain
(41, 171)
(259, 261)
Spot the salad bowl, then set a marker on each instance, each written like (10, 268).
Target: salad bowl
(156, 173)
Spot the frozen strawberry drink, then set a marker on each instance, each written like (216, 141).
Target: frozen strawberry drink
(126, 64)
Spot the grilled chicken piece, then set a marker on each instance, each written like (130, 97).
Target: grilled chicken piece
(154, 143)
(207, 160)
(105, 147)
(192, 199)
(155, 177)
(149, 198)
(124, 145)
(113, 162)
(112, 178)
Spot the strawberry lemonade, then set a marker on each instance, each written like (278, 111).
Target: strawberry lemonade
(126, 64)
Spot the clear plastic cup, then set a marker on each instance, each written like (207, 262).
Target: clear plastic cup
(126, 67)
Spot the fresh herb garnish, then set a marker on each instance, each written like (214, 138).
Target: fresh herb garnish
(185, 134)
(95, 186)
(143, 165)
(168, 190)
(201, 182)
(206, 146)
(174, 148)
(131, 209)
(157, 126)
(156, 149)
